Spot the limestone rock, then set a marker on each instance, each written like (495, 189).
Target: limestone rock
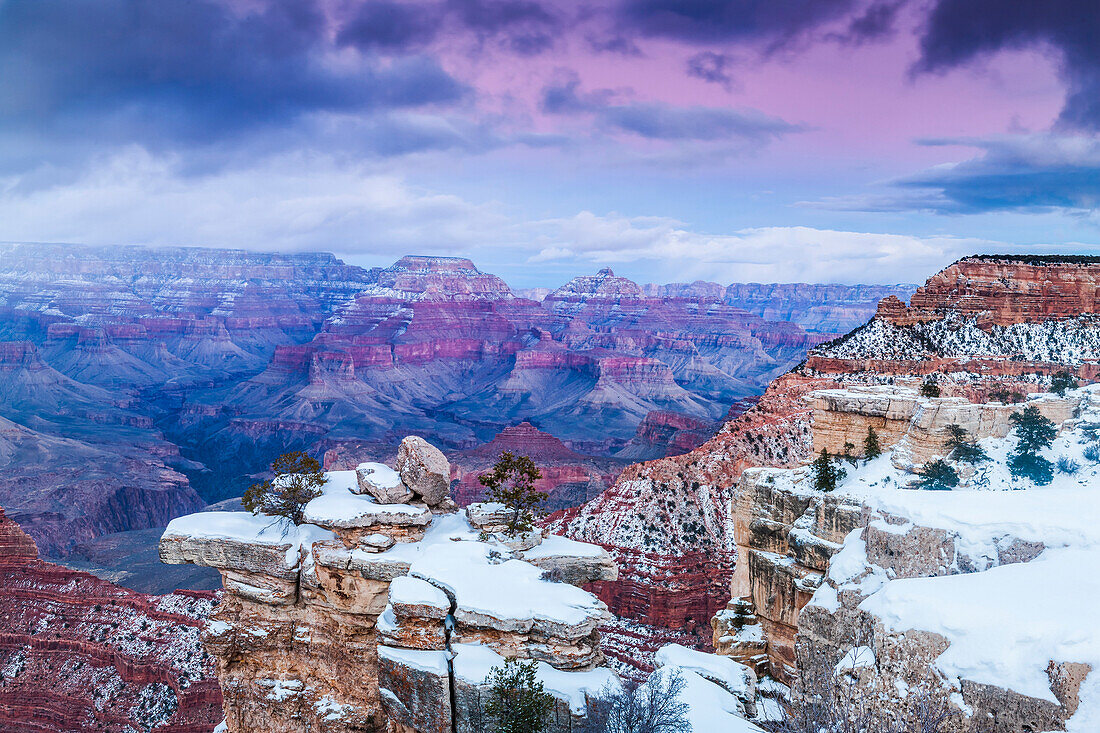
(489, 516)
(382, 482)
(424, 469)
(520, 541)
(415, 688)
(376, 542)
(568, 561)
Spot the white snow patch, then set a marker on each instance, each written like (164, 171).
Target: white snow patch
(379, 474)
(731, 675)
(411, 591)
(432, 662)
(858, 657)
(473, 663)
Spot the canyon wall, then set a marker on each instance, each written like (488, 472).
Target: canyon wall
(838, 586)
(80, 654)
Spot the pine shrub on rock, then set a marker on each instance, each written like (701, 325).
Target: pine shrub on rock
(1033, 433)
(298, 481)
(512, 483)
(929, 388)
(826, 474)
(937, 475)
(871, 447)
(1061, 382)
(962, 447)
(517, 702)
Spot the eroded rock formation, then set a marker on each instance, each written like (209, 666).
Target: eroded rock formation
(893, 588)
(391, 614)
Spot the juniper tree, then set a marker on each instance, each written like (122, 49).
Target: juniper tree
(871, 447)
(512, 483)
(937, 475)
(929, 388)
(826, 474)
(1062, 381)
(517, 702)
(962, 447)
(298, 480)
(1033, 433)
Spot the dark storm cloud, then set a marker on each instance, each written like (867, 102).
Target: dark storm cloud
(389, 25)
(1016, 173)
(711, 67)
(525, 27)
(960, 31)
(1022, 173)
(162, 73)
(660, 121)
(875, 23)
(768, 22)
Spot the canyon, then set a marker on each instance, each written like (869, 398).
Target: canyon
(812, 575)
(78, 653)
(724, 547)
(129, 376)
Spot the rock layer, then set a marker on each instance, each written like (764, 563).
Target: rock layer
(80, 654)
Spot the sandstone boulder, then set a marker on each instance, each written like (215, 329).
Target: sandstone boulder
(569, 561)
(381, 482)
(424, 470)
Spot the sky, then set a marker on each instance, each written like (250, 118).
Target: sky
(672, 140)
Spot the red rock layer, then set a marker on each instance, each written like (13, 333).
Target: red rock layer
(665, 521)
(80, 654)
(1003, 290)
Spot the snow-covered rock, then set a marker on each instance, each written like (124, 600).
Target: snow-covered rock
(424, 469)
(381, 482)
(362, 616)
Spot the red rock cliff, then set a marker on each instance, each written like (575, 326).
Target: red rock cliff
(80, 654)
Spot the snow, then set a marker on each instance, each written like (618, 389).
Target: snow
(223, 727)
(330, 709)
(858, 657)
(1006, 624)
(473, 663)
(733, 676)
(248, 529)
(466, 571)
(1064, 341)
(451, 558)
(281, 690)
(380, 474)
(556, 546)
(339, 506)
(432, 662)
(410, 591)
(710, 708)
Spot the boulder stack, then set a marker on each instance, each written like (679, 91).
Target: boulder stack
(382, 609)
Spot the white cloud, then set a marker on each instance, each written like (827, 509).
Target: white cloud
(285, 204)
(765, 254)
(301, 202)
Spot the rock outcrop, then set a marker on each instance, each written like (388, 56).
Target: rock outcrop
(80, 654)
(168, 362)
(391, 614)
(666, 523)
(889, 588)
(906, 581)
(995, 315)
